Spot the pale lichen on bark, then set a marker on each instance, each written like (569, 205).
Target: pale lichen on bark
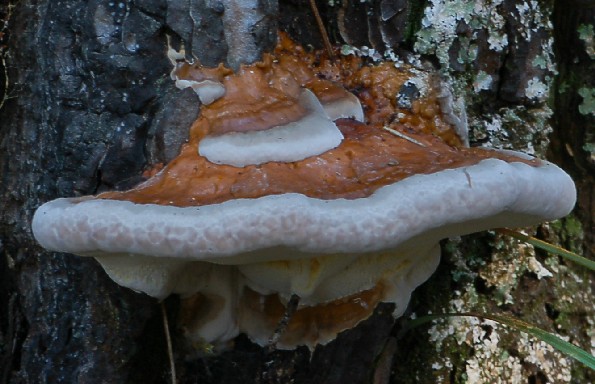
(472, 42)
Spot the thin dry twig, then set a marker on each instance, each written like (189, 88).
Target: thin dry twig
(170, 350)
(292, 305)
(403, 136)
(327, 42)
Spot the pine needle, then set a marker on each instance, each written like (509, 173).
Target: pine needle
(327, 42)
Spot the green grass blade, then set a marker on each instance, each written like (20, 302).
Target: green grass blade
(563, 346)
(550, 248)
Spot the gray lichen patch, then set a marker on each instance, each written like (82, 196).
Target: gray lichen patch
(471, 40)
(587, 107)
(510, 259)
(484, 351)
(587, 35)
(524, 129)
(447, 21)
(491, 360)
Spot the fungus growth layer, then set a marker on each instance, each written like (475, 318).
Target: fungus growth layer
(368, 158)
(264, 95)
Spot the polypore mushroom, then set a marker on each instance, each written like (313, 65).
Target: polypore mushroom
(352, 225)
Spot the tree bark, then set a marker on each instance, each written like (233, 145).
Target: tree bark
(573, 141)
(87, 104)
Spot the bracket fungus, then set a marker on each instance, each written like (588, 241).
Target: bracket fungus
(286, 187)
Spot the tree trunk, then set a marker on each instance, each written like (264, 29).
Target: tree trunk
(87, 104)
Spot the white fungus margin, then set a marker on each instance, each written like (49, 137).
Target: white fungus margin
(421, 208)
